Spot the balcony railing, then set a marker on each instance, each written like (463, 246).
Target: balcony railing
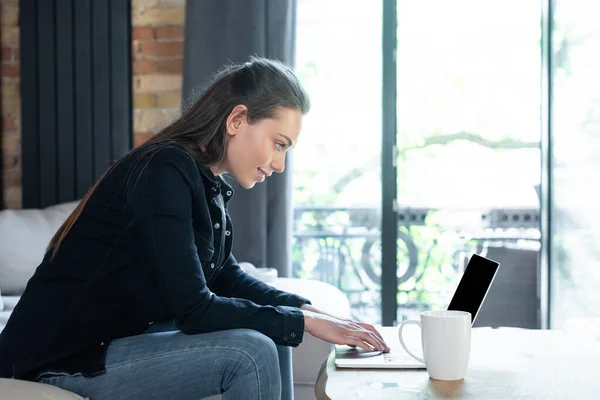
(341, 246)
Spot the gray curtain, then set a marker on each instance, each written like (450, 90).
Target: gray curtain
(218, 32)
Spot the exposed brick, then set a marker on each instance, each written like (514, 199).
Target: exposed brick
(135, 48)
(159, 16)
(10, 89)
(141, 67)
(169, 66)
(13, 196)
(161, 49)
(12, 177)
(142, 33)
(11, 107)
(144, 100)
(11, 141)
(8, 124)
(10, 54)
(153, 120)
(10, 159)
(11, 70)
(169, 32)
(10, 17)
(10, 36)
(14, 114)
(157, 83)
(148, 120)
(169, 99)
(140, 138)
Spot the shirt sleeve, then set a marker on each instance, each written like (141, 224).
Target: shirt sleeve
(163, 212)
(233, 281)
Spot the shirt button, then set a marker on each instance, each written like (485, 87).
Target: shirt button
(292, 335)
(214, 189)
(227, 233)
(229, 193)
(150, 323)
(217, 225)
(101, 343)
(212, 265)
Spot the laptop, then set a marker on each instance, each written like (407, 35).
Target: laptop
(468, 296)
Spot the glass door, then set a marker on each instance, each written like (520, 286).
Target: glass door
(574, 166)
(337, 180)
(468, 153)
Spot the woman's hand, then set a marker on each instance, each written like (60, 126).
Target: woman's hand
(343, 331)
(374, 331)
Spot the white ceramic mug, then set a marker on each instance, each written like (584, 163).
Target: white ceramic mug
(446, 341)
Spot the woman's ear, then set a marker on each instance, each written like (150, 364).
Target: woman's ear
(236, 119)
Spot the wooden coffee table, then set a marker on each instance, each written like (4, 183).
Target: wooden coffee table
(505, 363)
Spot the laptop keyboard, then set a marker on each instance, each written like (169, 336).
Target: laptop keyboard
(399, 357)
(395, 356)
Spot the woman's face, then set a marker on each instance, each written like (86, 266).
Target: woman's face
(254, 151)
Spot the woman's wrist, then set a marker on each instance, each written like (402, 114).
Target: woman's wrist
(308, 318)
(308, 307)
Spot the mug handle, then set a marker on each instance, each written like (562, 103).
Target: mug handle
(412, 321)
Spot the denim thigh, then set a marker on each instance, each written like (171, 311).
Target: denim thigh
(163, 363)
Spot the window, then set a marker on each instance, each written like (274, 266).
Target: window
(466, 159)
(337, 183)
(575, 167)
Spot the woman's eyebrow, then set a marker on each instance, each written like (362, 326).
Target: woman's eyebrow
(289, 141)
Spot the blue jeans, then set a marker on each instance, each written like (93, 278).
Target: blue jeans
(165, 363)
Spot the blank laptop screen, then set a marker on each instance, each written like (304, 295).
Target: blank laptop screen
(474, 285)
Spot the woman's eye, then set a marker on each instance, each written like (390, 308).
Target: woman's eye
(279, 146)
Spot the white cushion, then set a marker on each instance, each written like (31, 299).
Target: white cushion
(10, 302)
(15, 389)
(266, 275)
(310, 354)
(9, 305)
(24, 236)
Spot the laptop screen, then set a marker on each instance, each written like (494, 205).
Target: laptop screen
(474, 285)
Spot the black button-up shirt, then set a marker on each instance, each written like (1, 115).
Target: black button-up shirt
(153, 243)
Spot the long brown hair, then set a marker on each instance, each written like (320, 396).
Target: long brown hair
(261, 84)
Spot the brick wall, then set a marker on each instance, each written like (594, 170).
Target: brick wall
(157, 45)
(11, 105)
(157, 62)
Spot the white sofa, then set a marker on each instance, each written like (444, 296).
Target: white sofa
(24, 235)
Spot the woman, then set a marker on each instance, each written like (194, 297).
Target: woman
(138, 295)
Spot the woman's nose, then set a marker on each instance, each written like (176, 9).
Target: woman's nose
(278, 164)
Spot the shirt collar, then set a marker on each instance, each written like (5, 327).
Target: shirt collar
(217, 185)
